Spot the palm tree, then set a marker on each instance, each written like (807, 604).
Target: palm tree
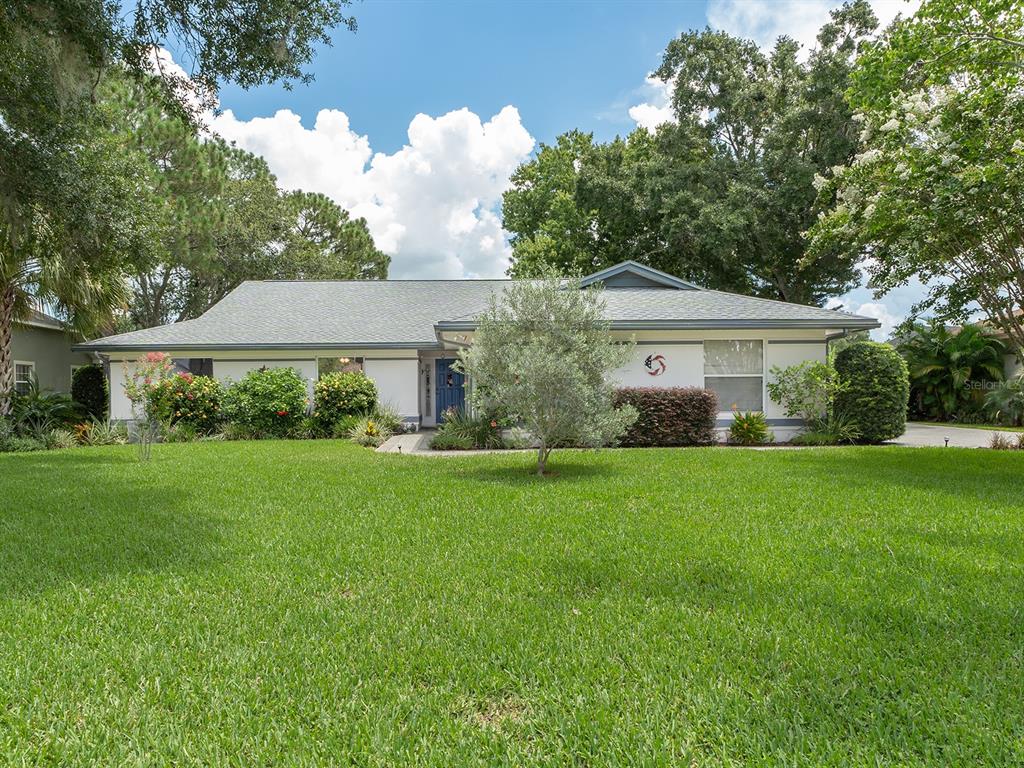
(35, 275)
(943, 364)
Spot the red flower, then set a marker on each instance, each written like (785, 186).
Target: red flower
(494, 424)
(282, 413)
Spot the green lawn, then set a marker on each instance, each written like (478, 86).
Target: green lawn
(312, 603)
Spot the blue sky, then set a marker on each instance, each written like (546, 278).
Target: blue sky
(416, 121)
(563, 65)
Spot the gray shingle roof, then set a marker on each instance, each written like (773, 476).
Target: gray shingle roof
(403, 313)
(40, 319)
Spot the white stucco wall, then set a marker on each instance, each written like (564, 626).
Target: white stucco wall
(397, 383)
(398, 374)
(783, 355)
(120, 407)
(684, 366)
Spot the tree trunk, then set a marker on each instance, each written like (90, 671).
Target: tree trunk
(6, 355)
(542, 459)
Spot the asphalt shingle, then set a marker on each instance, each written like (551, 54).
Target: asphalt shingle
(404, 312)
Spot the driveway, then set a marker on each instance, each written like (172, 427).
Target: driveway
(919, 434)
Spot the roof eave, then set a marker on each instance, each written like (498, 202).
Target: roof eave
(660, 325)
(97, 346)
(46, 325)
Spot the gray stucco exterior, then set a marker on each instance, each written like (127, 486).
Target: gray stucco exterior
(49, 349)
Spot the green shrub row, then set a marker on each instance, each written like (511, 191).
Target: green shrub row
(266, 402)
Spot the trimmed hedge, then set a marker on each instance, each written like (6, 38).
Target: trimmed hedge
(877, 391)
(670, 415)
(89, 389)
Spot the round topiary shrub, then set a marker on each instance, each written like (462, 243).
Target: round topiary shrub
(343, 394)
(877, 388)
(268, 402)
(194, 401)
(89, 389)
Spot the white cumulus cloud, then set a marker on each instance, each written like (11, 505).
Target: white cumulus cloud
(432, 205)
(885, 312)
(658, 107)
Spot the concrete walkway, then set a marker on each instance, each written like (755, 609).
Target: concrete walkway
(413, 442)
(919, 434)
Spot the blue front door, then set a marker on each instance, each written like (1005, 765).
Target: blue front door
(451, 391)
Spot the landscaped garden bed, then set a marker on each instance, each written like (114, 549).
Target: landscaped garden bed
(300, 603)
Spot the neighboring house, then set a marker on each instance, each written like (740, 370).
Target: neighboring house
(43, 349)
(1012, 364)
(405, 335)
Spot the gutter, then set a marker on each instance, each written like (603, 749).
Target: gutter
(97, 346)
(699, 325)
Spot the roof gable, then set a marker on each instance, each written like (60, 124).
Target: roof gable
(632, 274)
(408, 314)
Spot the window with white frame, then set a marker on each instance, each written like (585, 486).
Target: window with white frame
(338, 365)
(734, 370)
(24, 372)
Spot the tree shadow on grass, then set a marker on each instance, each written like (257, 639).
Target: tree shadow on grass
(67, 520)
(522, 472)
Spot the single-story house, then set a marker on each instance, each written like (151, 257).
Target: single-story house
(405, 335)
(42, 350)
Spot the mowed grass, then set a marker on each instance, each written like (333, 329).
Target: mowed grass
(313, 603)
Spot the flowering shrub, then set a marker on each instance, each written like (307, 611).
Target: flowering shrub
(268, 402)
(187, 399)
(343, 394)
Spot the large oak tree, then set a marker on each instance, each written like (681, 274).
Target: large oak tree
(723, 194)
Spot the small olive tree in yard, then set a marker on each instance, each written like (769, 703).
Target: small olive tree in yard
(543, 355)
(147, 375)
